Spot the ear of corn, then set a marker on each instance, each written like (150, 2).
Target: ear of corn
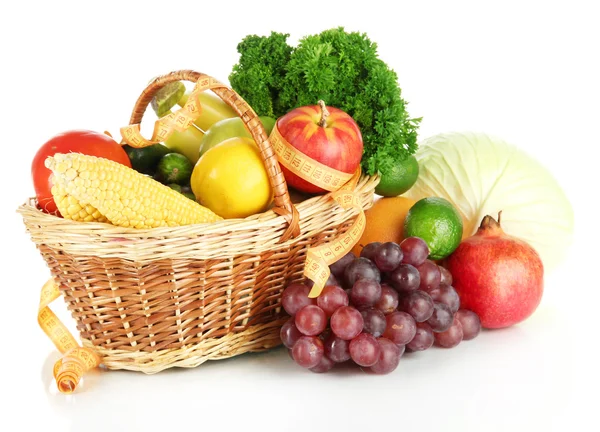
(71, 208)
(125, 197)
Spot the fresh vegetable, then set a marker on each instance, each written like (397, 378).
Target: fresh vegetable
(186, 142)
(81, 141)
(174, 168)
(230, 128)
(497, 276)
(145, 159)
(125, 197)
(324, 134)
(481, 175)
(231, 179)
(437, 222)
(372, 323)
(336, 66)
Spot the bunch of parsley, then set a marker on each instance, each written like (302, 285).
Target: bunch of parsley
(341, 68)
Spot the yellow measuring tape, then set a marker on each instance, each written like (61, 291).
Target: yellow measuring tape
(342, 186)
(178, 120)
(76, 360)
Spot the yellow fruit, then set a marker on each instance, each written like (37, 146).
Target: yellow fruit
(231, 180)
(385, 221)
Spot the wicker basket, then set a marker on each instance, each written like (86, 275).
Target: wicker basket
(151, 299)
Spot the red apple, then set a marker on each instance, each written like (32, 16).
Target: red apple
(325, 134)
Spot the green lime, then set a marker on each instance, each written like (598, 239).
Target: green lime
(400, 178)
(438, 223)
(174, 168)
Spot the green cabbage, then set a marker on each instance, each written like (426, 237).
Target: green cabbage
(483, 175)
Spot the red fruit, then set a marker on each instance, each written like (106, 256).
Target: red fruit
(497, 276)
(329, 136)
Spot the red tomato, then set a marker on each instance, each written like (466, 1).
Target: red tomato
(77, 141)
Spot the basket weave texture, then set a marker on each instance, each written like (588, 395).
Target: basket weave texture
(151, 299)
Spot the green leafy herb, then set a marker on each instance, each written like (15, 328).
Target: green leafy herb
(341, 68)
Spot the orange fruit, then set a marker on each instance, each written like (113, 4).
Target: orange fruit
(385, 221)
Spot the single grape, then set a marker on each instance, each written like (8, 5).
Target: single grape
(338, 267)
(389, 357)
(308, 351)
(470, 322)
(447, 295)
(430, 275)
(445, 276)
(364, 350)
(387, 256)
(289, 333)
(331, 298)
(337, 349)
(295, 297)
(324, 365)
(441, 319)
(374, 321)
(331, 280)
(369, 250)
(451, 337)
(311, 320)
(405, 278)
(423, 338)
(346, 322)
(361, 268)
(388, 302)
(418, 304)
(414, 250)
(400, 328)
(365, 293)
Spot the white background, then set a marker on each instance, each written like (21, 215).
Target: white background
(525, 71)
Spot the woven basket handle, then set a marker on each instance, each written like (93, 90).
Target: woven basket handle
(281, 198)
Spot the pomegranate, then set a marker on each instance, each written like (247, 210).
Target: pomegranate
(497, 276)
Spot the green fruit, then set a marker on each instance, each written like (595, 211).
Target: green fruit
(400, 178)
(174, 168)
(438, 223)
(146, 159)
(186, 142)
(230, 128)
(167, 97)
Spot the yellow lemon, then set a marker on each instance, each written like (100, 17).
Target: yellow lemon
(231, 179)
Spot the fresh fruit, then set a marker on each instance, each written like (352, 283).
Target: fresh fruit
(346, 323)
(408, 319)
(437, 222)
(308, 351)
(149, 205)
(414, 251)
(213, 109)
(186, 142)
(174, 168)
(231, 179)
(145, 159)
(400, 328)
(365, 293)
(497, 276)
(399, 178)
(295, 297)
(389, 357)
(405, 278)
(418, 304)
(441, 318)
(75, 141)
(451, 337)
(364, 350)
(470, 322)
(387, 256)
(324, 134)
(429, 275)
(230, 128)
(384, 222)
(311, 320)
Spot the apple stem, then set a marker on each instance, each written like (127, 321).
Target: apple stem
(324, 114)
